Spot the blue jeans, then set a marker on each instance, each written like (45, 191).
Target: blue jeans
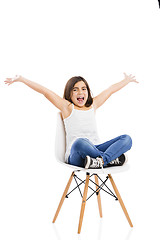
(109, 150)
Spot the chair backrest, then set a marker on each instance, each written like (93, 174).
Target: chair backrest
(60, 141)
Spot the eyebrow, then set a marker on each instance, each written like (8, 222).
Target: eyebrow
(78, 87)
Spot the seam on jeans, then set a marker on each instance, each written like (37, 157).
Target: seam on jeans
(92, 145)
(120, 149)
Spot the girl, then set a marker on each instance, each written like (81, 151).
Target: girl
(78, 108)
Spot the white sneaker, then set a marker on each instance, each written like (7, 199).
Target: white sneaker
(93, 162)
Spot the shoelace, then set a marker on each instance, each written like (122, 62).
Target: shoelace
(97, 164)
(101, 164)
(102, 169)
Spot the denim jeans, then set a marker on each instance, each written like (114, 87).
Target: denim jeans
(109, 150)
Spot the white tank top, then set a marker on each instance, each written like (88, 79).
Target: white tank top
(80, 124)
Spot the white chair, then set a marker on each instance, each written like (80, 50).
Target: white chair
(60, 152)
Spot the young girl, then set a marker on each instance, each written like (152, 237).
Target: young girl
(77, 107)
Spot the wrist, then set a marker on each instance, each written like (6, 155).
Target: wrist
(21, 79)
(17, 78)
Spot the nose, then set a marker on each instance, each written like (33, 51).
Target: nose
(80, 91)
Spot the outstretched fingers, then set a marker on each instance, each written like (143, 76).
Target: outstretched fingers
(9, 81)
(130, 78)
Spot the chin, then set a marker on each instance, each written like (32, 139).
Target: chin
(80, 104)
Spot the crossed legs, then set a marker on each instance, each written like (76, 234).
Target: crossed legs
(109, 150)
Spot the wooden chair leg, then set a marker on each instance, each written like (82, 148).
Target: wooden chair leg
(63, 197)
(83, 202)
(98, 196)
(120, 200)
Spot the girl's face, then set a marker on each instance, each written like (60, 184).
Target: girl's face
(79, 94)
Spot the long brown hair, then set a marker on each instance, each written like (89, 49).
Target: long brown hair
(69, 87)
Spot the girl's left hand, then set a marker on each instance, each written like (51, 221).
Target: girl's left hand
(130, 78)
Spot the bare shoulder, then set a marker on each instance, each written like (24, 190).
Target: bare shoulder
(94, 104)
(67, 109)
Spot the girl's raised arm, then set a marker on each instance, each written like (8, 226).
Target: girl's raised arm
(103, 96)
(59, 102)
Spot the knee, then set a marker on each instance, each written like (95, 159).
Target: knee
(128, 140)
(79, 144)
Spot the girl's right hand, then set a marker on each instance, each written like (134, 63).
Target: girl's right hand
(9, 81)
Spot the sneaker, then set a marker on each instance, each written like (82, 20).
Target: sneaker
(118, 161)
(93, 162)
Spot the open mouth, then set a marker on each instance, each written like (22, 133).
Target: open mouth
(80, 99)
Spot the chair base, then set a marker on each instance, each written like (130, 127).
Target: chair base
(99, 187)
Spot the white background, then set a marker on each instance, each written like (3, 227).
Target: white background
(49, 42)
